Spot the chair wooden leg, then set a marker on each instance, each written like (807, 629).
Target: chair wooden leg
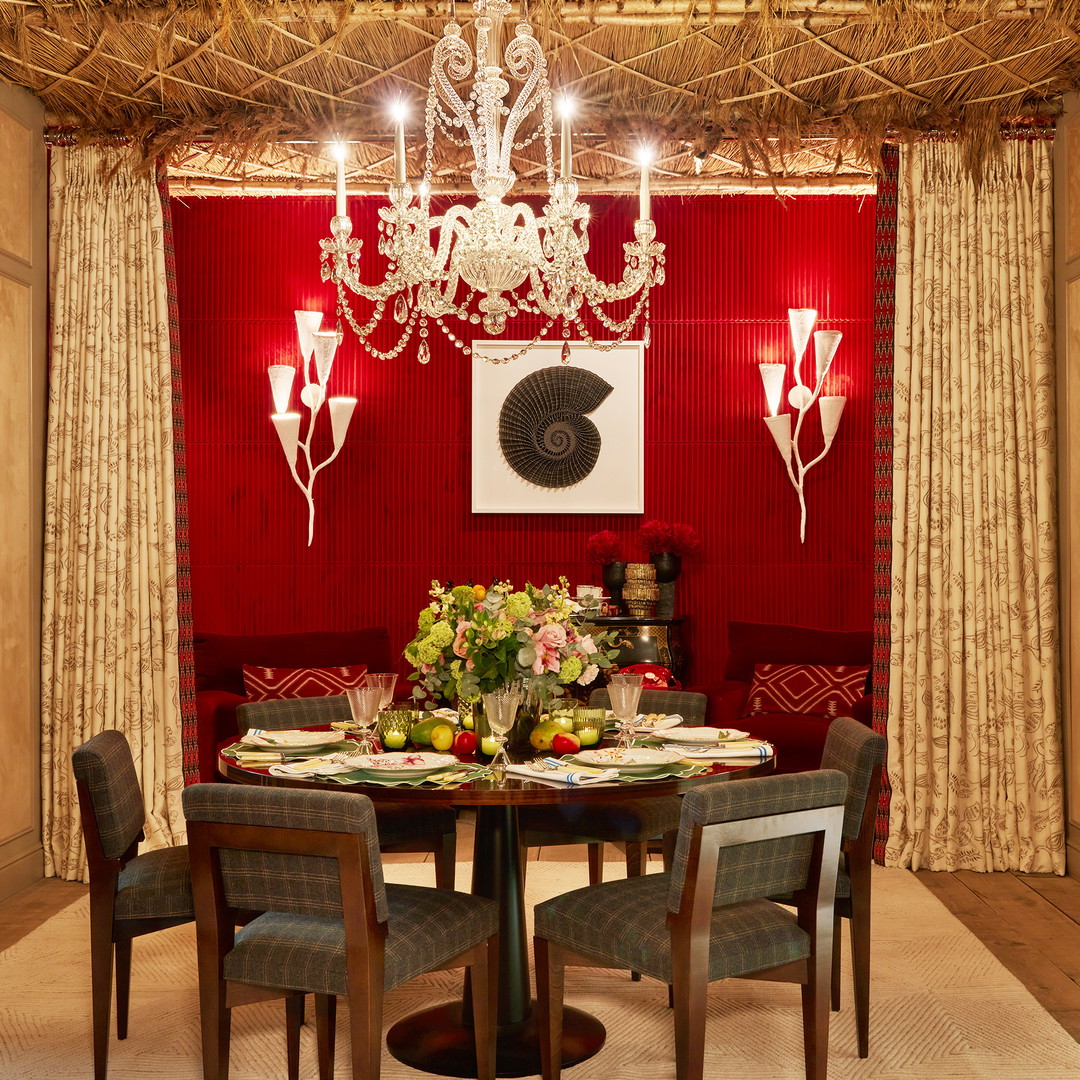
(636, 856)
(836, 944)
(816, 1000)
(483, 979)
(101, 968)
(365, 1028)
(216, 1028)
(326, 1033)
(860, 964)
(596, 863)
(123, 985)
(668, 849)
(550, 974)
(446, 861)
(294, 1018)
(689, 985)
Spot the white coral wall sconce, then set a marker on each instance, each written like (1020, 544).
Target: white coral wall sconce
(801, 398)
(322, 345)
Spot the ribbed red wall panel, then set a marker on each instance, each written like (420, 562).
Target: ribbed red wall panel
(393, 511)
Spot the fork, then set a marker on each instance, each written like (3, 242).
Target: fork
(542, 765)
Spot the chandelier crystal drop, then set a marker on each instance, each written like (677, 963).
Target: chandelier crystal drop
(490, 260)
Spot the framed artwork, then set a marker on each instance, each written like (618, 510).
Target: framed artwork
(554, 438)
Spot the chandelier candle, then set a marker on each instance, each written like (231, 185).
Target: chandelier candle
(339, 154)
(644, 206)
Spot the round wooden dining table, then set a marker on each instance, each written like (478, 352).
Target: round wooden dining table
(439, 1040)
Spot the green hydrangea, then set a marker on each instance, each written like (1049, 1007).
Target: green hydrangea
(500, 629)
(518, 605)
(425, 620)
(570, 669)
(441, 634)
(463, 594)
(427, 651)
(456, 668)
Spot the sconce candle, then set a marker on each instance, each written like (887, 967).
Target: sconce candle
(644, 207)
(339, 153)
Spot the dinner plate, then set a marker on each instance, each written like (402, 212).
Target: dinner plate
(293, 739)
(700, 736)
(403, 763)
(636, 760)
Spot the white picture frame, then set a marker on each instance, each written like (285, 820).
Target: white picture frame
(616, 484)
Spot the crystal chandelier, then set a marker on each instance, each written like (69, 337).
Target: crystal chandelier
(490, 260)
(800, 397)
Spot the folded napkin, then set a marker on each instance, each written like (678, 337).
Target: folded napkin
(311, 767)
(665, 722)
(751, 748)
(563, 773)
(291, 738)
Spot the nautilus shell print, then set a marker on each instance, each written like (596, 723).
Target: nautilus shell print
(544, 430)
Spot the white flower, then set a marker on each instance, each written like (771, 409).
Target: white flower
(588, 675)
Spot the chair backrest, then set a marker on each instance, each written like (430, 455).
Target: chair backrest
(757, 838)
(690, 706)
(110, 798)
(282, 850)
(290, 713)
(858, 752)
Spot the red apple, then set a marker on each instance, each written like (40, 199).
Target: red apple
(565, 743)
(465, 742)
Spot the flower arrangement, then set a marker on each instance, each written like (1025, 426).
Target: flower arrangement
(678, 538)
(603, 547)
(471, 641)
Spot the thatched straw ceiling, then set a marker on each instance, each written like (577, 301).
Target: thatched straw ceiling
(255, 89)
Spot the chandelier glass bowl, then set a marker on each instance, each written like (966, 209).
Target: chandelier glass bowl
(490, 259)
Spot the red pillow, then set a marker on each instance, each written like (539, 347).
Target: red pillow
(269, 684)
(809, 689)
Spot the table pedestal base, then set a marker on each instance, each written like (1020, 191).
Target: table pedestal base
(438, 1041)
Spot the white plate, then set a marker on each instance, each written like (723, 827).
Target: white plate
(293, 739)
(638, 759)
(699, 736)
(404, 763)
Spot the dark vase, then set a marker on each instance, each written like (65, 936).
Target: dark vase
(613, 575)
(668, 566)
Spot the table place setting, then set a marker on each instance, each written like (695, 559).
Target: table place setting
(722, 751)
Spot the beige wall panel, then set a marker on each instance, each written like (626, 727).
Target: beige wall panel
(16, 152)
(1072, 162)
(19, 760)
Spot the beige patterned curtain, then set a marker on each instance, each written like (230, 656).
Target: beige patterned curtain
(109, 627)
(974, 728)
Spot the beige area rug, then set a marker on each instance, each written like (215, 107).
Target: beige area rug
(943, 1008)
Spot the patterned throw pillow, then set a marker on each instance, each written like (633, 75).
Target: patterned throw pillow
(270, 684)
(809, 689)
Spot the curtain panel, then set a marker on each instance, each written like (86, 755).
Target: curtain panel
(110, 624)
(975, 759)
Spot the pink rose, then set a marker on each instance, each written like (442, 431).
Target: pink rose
(548, 640)
(459, 641)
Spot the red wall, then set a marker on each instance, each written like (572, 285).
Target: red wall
(393, 511)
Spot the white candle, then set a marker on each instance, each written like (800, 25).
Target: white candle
(643, 198)
(399, 150)
(340, 210)
(566, 156)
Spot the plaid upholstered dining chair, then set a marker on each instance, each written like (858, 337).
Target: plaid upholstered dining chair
(402, 826)
(710, 918)
(859, 753)
(130, 894)
(309, 860)
(630, 824)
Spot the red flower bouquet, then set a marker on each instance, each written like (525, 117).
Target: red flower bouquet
(603, 547)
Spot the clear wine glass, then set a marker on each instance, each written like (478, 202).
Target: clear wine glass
(500, 709)
(624, 692)
(386, 682)
(364, 704)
